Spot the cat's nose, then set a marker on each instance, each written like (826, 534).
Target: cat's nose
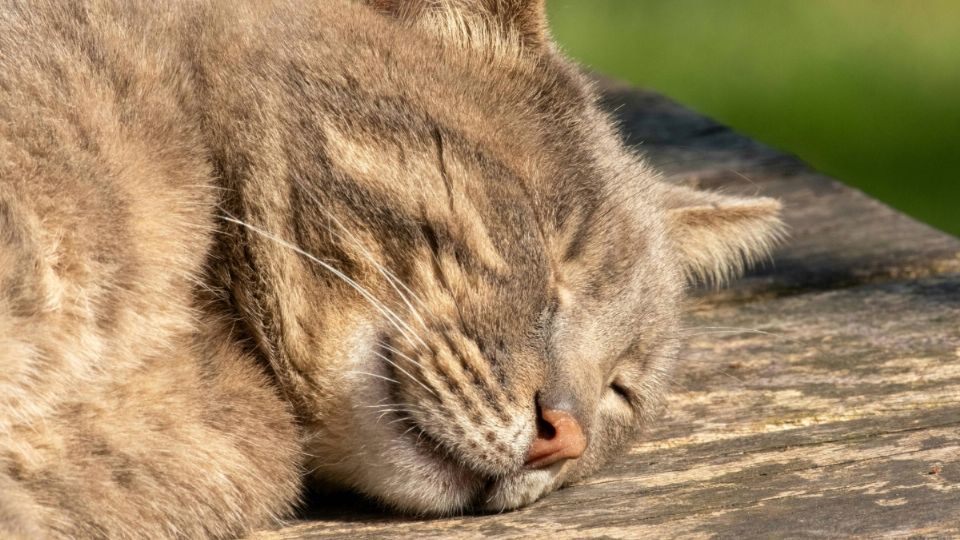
(559, 437)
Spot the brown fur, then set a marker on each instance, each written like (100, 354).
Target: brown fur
(240, 240)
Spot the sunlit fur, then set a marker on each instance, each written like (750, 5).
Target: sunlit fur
(251, 244)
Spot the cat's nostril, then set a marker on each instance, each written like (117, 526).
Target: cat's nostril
(559, 437)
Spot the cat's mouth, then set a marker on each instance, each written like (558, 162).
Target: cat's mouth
(422, 453)
(481, 492)
(431, 448)
(420, 439)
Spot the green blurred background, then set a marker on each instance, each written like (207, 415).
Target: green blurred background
(867, 91)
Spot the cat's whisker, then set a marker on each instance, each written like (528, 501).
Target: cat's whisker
(405, 372)
(380, 403)
(385, 402)
(728, 332)
(395, 319)
(730, 328)
(391, 406)
(391, 278)
(394, 281)
(747, 179)
(321, 463)
(388, 379)
(405, 415)
(404, 418)
(389, 275)
(402, 355)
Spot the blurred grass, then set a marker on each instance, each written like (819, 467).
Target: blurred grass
(867, 91)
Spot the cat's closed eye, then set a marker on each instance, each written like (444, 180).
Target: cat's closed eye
(621, 391)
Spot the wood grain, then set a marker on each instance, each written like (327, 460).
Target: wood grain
(819, 397)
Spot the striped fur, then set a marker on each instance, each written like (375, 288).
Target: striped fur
(245, 245)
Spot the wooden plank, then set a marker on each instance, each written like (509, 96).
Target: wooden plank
(820, 398)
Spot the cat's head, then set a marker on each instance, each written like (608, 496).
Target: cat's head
(478, 298)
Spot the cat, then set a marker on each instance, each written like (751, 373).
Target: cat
(389, 246)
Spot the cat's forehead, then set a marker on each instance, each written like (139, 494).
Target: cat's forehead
(499, 161)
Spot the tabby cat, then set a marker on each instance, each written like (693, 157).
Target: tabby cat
(392, 246)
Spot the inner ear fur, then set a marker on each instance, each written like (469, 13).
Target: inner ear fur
(718, 236)
(526, 19)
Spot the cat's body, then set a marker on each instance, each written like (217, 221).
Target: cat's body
(240, 241)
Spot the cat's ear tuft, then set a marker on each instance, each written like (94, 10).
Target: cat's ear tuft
(719, 236)
(523, 19)
(528, 18)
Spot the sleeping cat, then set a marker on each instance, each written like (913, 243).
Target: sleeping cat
(390, 245)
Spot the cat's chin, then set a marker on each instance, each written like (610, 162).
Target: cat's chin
(401, 475)
(446, 489)
(517, 491)
(469, 491)
(411, 476)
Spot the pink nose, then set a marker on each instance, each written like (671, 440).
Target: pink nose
(559, 437)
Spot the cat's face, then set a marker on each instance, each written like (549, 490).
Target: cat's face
(491, 286)
(494, 298)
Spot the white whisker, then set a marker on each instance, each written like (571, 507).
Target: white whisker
(730, 331)
(402, 355)
(388, 379)
(400, 419)
(392, 279)
(397, 322)
(405, 372)
(390, 276)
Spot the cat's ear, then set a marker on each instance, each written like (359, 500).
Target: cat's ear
(718, 236)
(523, 19)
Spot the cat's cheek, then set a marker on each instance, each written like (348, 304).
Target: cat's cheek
(389, 466)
